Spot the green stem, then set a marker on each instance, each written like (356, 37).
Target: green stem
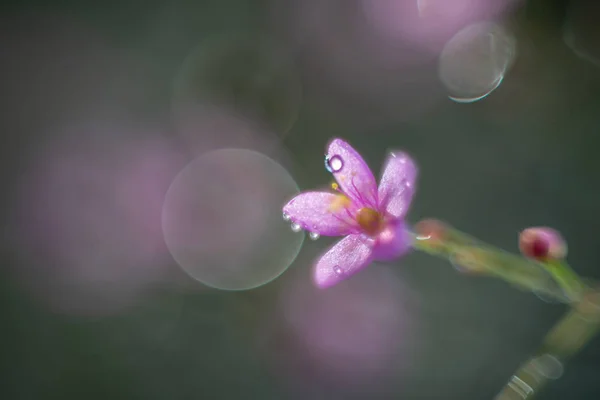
(566, 278)
(553, 278)
(567, 337)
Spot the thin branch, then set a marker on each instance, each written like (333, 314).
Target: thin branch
(567, 337)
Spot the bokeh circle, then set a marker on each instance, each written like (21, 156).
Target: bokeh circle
(475, 61)
(356, 337)
(87, 220)
(222, 219)
(581, 31)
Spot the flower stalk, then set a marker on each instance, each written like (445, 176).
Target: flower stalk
(550, 277)
(569, 335)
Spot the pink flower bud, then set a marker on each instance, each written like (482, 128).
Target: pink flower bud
(542, 243)
(433, 231)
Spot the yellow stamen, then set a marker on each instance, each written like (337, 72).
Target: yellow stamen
(339, 202)
(335, 186)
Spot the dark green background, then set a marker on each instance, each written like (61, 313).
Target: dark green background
(527, 155)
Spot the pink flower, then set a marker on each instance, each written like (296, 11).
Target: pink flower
(371, 218)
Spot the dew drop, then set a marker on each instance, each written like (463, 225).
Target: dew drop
(314, 236)
(338, 270)
(548, 366)
(422, 237)
(286, 217)
(546, 298)
(400, 156)
(520, 387)
(334, 164)
(296, 227)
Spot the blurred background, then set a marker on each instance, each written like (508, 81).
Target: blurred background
(148, 147)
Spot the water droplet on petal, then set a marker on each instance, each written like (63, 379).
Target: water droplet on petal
(296, 227)
(401, 157)
(338, 270)
(286, 217)
(314, 235)
(334, 163)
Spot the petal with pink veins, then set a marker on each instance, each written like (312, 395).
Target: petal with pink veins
(352, 173)
(321, 212)
(397, 185)
(347, 257)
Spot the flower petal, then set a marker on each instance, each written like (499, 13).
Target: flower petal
(397, 185)
(352, 173)
(344, 259)
(321, 212)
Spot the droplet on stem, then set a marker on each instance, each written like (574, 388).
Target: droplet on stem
(546, 298)
(431, 230)
(548, 366)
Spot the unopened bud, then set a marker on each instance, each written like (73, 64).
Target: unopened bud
(431, 230)
(542, 243)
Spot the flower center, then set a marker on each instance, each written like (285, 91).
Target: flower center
(369, 220)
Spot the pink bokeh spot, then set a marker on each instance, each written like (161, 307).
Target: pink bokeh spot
(430, 23)
(205, 127)
(350, 334)
(89, 217)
